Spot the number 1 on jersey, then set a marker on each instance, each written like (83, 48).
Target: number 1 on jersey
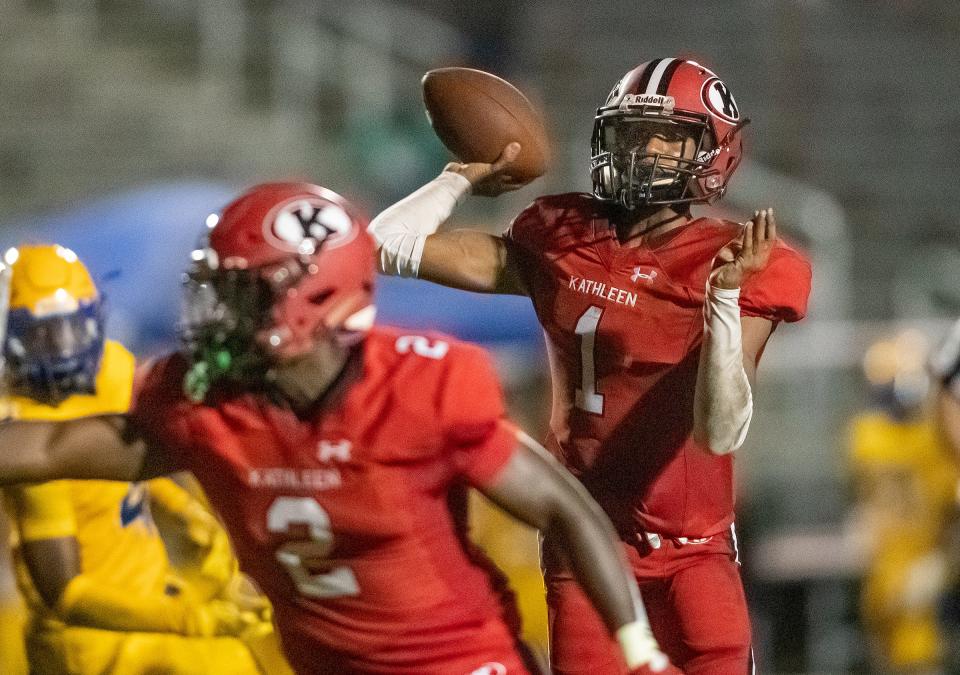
(587, 396)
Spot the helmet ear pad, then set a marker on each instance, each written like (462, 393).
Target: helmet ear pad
(606, 178)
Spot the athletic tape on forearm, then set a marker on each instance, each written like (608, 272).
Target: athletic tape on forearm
(401, 230)
(724, 402)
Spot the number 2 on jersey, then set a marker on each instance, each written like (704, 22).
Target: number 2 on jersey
(588, 398)
(299, 556)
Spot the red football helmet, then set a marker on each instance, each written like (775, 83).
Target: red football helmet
(674, 99)
(284, 265)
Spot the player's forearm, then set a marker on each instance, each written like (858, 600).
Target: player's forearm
(25, 455)
(593, 553)
(88, 448)
(535, 489)
(723, 400)
(401, 230)
(556, 503)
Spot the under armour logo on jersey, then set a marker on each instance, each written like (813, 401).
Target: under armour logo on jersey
(305, 224)
(339, 451)
(492, 668)
(648, 274)
(719, 101)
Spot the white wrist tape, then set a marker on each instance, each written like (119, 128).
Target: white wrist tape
(722, 380)
(640, 648)
(401, 230)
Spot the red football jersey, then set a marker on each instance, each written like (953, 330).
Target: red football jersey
(623, 327)
(343, 518)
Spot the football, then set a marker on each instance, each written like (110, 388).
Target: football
(477, 114)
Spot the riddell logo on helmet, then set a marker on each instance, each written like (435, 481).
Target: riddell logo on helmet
(719, 101)
(665, 102)
(305, 224)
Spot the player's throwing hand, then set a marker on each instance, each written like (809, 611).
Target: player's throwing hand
(747, 254)
(490, 180)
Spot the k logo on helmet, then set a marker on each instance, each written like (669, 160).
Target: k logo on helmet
(306, 224)
(719, 101)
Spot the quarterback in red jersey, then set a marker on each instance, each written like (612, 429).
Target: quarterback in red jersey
(332, 450)
(655, 321)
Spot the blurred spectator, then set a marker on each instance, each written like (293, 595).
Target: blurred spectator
(906, 483)
(945, 368)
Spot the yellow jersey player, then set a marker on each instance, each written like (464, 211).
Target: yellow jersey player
(90, 563)
(906, 485)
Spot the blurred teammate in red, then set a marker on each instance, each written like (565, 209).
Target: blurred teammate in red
(655, 321)
(331, 450)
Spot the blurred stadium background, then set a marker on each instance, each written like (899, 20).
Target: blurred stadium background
(125, 122)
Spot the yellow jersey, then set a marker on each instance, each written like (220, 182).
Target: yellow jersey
(110, 520)
(907, 483)
(121, 548)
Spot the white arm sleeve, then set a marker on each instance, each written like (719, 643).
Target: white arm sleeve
(723, 402)
(401, 230)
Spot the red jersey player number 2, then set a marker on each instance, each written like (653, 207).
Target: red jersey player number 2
(302, 558)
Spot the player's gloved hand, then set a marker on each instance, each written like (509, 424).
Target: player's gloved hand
(748, 254)
(490, 180)
(217, 617)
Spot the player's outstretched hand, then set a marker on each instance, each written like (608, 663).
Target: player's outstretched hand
(490, 180)
(747, 254)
